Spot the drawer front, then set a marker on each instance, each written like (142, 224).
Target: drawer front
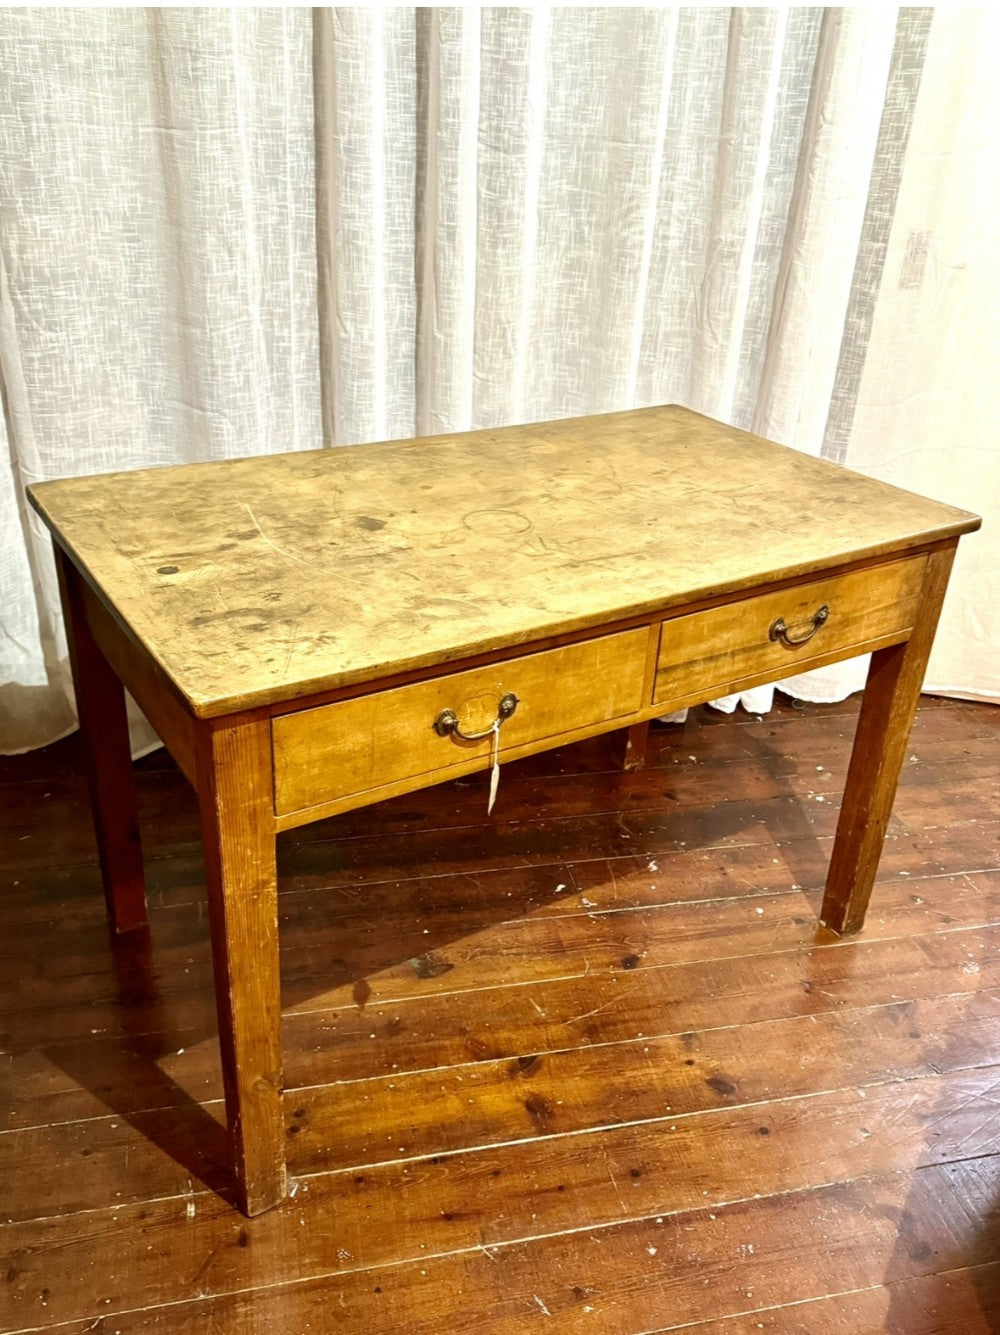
(325, 754)
(708, 653)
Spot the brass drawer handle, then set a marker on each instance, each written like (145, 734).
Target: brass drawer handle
(780, 631)
(446, 723)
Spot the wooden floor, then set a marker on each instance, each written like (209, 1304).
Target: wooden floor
(586, 1066)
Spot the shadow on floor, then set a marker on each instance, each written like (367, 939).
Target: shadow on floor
(156, 1007)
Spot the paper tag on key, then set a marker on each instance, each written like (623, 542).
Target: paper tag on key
(495, 772)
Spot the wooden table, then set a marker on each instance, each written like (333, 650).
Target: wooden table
(316, 631)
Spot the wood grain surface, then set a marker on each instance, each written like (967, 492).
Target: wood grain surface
(236, 800)
(217, 625)
(256, 580)
(703, 653)
(551, 1071)
(100, 703)
(376, 740)
(890, 700)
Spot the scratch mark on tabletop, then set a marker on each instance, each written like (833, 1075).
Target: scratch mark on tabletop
(289, 556)
(218, 594)
(312, 564)
(293, 644)
(627, 555)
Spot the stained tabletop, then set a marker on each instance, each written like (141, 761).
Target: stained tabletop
(257, 580)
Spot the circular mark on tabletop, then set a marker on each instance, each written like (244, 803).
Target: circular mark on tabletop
(496, 522)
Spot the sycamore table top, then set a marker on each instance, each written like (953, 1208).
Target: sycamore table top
(270, 578)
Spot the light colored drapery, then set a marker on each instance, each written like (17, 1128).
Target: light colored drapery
(229, 232)
(927, 408)
(157, 274)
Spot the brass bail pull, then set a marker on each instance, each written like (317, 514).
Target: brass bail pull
(447, 724)
(781, 630)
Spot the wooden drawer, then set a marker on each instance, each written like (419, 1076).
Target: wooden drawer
(387, 740)
(730, 647)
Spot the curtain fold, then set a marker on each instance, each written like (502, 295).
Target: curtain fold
(928, 392)
(230, 232)
(365, 170)
(157, 275)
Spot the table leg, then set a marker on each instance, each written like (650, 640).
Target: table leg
(636, 739)
(887, 711)
(237, 817)
(100, 705)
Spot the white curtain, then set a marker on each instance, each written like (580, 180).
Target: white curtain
(157, 275)
(927, 405)
(231, 232)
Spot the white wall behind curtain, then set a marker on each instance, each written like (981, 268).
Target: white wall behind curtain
(223, 233)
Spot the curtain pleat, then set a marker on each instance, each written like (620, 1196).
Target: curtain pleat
(823, 229)
(158, 261)
(365, 168)
(449, 43)
(928, 396)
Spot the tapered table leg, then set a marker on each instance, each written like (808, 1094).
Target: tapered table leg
(887, 711)
(237, 816)
(100, 704)
(636, 739)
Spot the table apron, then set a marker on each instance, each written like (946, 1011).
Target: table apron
(337, 756)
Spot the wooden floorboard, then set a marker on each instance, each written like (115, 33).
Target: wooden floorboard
(586, 1065)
